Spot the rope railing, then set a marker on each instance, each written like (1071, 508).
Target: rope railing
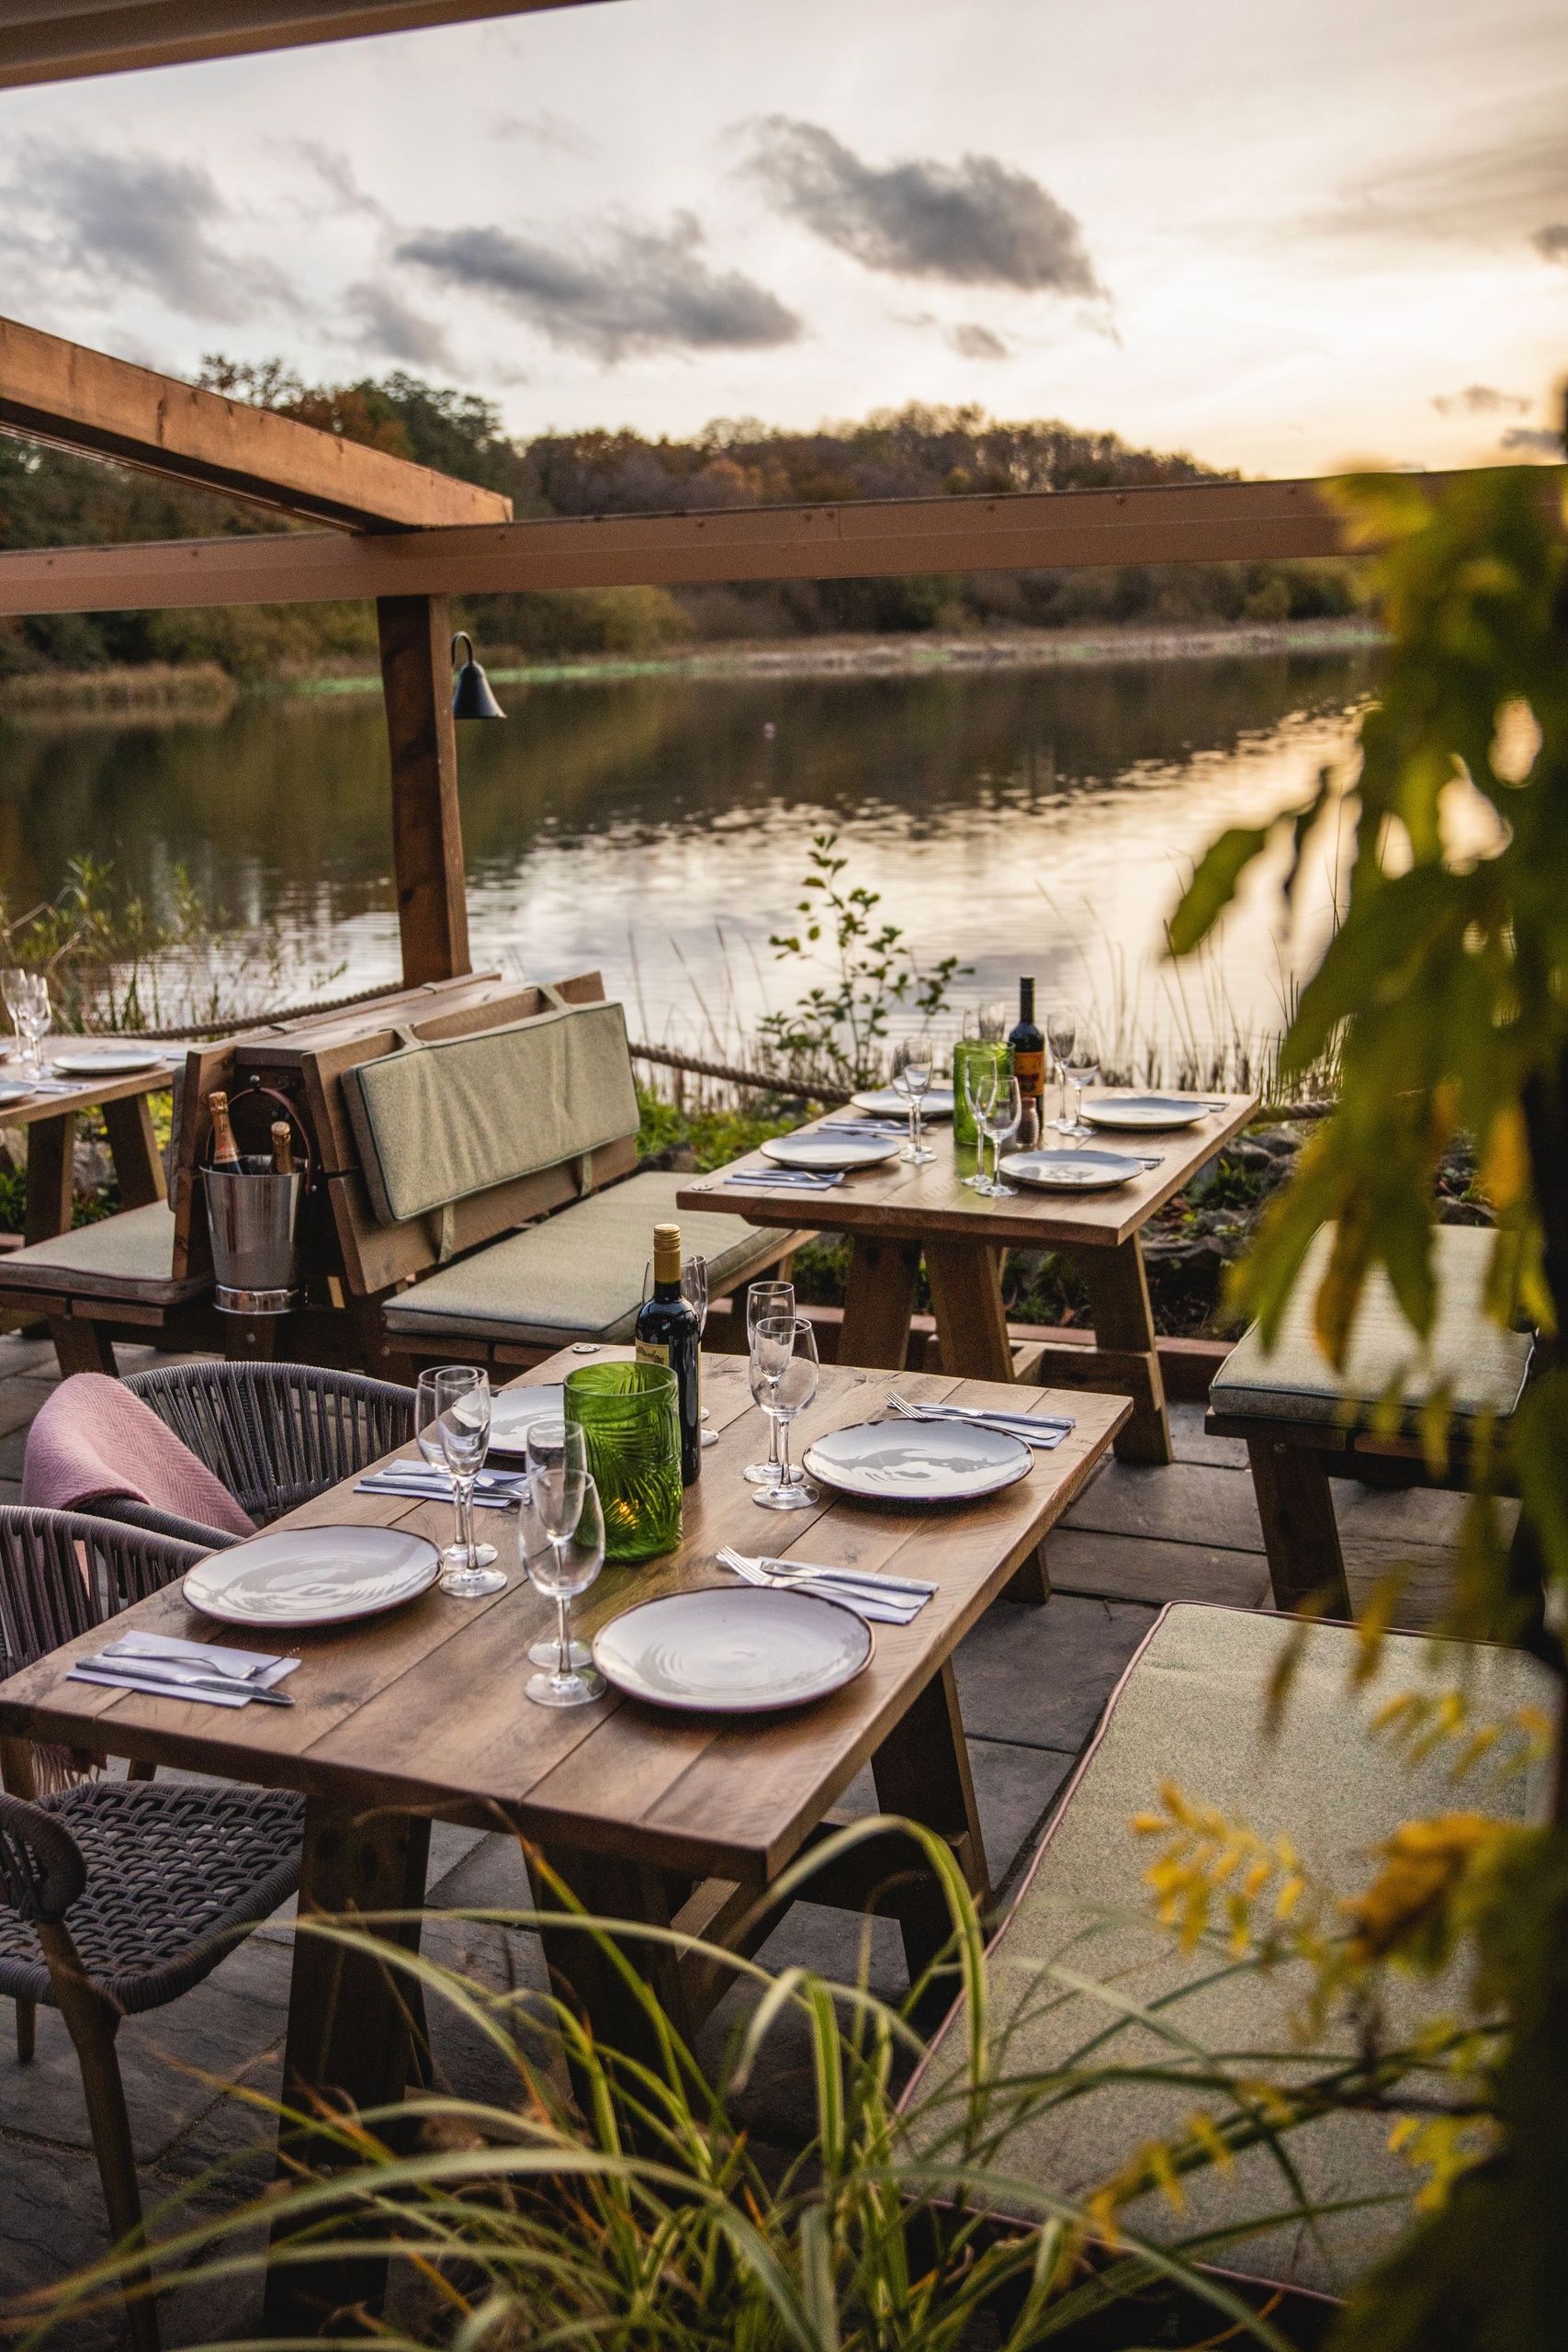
(666, 1058)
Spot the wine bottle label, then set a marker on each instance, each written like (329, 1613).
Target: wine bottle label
(1029, 1069)
(653, 1351)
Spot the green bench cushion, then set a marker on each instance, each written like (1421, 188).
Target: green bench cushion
(580, 1272)
(129, 1255)
(436, 1123)
(1191, 1709)
(1294, 1381)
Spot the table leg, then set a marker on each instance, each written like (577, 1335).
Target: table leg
(586, 1976)
(133, 1148)
(51, 1145)
(965, 1279)
(1124, 1321)
(349, 2020)
(1301, 1534)
(879, 1299)
(921, 1770)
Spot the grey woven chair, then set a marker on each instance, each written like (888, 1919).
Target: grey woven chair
(276, 1434)
(117, 1897)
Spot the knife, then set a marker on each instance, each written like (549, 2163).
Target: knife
(132, 1673)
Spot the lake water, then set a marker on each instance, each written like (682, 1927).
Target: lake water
(1024, 819)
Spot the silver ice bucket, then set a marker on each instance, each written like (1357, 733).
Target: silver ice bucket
(254, 1219)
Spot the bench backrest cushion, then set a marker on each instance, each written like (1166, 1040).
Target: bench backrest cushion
(1192, 1709)
(436, 1123)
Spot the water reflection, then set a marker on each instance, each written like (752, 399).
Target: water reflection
(653, 828)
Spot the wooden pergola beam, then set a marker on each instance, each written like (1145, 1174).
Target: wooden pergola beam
(64, 41)
(1060, 530)
(76, 399)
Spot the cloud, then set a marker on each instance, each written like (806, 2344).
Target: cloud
(338, 176)
(1480, 399)
(1533, 441)
(1551, 242)
(1500, 183)
(396, 330)
(972, 341)
(976, 223)
(139, 221)
(646, 290)
(545, 130)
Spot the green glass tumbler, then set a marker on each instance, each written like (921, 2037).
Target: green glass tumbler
(631, 1429)
(973, 1052)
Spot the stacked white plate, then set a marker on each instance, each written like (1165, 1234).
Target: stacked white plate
(925, 1461)
(886, 1102)
(107, 1061)
(826, 1154)
(1071, 1171)
(1143, 1112)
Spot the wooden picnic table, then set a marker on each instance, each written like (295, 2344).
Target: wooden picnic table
(897, 1212)
(651, 1818)
(50, 1120)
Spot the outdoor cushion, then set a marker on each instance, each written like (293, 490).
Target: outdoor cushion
(580, 1272)
(1191, 1708)
(130, 1254)
(1483, 1366)
(435, 1123)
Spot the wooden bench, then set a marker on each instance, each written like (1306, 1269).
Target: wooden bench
(1191, 1708)
(1304, 1424)
(479, 1192)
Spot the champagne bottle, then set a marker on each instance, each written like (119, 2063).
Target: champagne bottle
(666, 1332)
(282, 1148)
(1028, 1046)
(225, 1150)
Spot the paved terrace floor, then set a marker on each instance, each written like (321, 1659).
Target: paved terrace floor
(1033, 1683)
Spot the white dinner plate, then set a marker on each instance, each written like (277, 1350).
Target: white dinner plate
(15, 1089)
(1141, 1111)
(928, 1462)
(733, 1651)
(822, 1151)
(107, 1061)
(513, 1409)
(886, 1102)
(1071, 1171)
(312, 1575)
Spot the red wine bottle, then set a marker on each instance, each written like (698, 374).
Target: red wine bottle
(666, 1332)
(1029, 1055)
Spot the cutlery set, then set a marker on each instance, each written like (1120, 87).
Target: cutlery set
(164, 1666)
(884, 1600)
(1041, 1430)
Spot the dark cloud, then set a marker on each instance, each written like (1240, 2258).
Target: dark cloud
(112, 221)
(976, 223)
(1480, 399)
(338, 176)
(646, 289)
(396, 330)
(1551, 242)
(972, 341)
(1533, 441)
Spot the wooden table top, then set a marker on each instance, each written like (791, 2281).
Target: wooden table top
(902, 1201)
(62, 1104)
(424, 1709)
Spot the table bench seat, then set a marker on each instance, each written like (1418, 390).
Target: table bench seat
(1192, 1707)
(127, 1255)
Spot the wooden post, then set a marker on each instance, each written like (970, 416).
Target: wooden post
(427, 830)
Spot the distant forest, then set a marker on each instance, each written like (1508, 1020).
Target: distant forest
(48, 498)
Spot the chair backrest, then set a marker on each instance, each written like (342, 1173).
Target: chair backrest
(277, 1434)
(42, 1867)
(62, 1572)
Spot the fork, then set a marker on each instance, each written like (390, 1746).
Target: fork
(1050, 1426)
(895, 1609)
(915, 1588)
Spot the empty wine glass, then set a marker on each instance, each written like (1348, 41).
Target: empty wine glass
(13, 987)
(1000, 1120)
(549, 1443)
(1083, 1070)
(32, 1015)
(565, 1501)
(981, 1079)
(452, 1425)
(763, 1300)
(694, 1291)
(913, 1058)
(783, 1371)
(1061, 1036)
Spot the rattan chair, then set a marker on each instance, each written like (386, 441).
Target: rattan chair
(276, 1434)
(117, 1897)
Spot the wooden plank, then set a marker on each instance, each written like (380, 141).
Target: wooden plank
(879, 1294)
(415, 634)
(63, 40)
(874, 539)
(77, 399)
(52, 1143)
(966, 1298)
(1118, 1307)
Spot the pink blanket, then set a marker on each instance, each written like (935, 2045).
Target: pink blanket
(94, 1439)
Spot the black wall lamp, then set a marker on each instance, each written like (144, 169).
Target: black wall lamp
(471, 693)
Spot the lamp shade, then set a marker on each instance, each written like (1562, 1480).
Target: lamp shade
(472, 696)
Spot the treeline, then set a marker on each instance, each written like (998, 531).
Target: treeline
(48, 498)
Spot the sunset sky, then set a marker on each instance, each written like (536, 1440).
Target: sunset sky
(1276, 238)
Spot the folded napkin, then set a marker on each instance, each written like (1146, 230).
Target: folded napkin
(92, 1439)
(893, 1604)
(430, 1486)
(808, 1179)
(263, 1669)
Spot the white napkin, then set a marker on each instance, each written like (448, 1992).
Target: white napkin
(202, 1653)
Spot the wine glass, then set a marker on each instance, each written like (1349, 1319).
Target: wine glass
(913, 1060)
(694, 1291)
(981, 1081)
(784, 1374)
(566, 1503)
(763, 1300)
(1061, 1036)
(13, 987)
(1083, 1070)
(451, 1418)
(1000, 1120)
(32, 1016)
(549, 1443)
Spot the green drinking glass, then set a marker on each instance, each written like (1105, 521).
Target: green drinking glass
(630, 1425)
(973, 1052)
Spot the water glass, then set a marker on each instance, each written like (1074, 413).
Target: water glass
(30, 1015)
(784, 1374)
(1000, 1120)
(1083, 1070)
(763, 1300)
(913, 1068)
(1061, 1036)
(452, 1424)
(694, 1291)
(565, 1506)
(549, 1445)
(980, 1075)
